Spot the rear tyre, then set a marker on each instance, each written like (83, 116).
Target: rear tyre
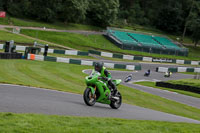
(115, 104)
(88, 97)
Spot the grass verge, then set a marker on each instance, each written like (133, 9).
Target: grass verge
(31, 123)
(56, 25)
(69, 77)
(7, 36)
(153, 84)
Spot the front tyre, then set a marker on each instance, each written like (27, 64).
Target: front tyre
(115, 104)
(88, 97)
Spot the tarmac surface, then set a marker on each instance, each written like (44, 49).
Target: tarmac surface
(20, 99)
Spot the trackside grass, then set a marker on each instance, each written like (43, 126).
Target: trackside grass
(153, 84)
(56, 25)
(98, 42)
(69, 78)
(7, 36)
(36, 123)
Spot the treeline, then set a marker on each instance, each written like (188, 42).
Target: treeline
(174, 16)
(96, 12)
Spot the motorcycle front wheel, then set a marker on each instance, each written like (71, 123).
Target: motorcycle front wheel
(115, 104)
(88, 97)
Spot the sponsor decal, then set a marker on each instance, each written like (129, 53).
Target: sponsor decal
(162, 60)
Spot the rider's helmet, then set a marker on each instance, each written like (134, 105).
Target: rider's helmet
(149, 71)
(98, 66)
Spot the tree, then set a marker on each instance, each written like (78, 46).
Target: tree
(194, 23)
(103, 12)
(44, 10)
(2, 3)
(18, 8)
(73, 10)
(170, 19)
(136, 14)
(196, 32)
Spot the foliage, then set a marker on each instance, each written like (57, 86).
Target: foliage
(73, 10)
(103, 12)
(194, 22)
(170, 19)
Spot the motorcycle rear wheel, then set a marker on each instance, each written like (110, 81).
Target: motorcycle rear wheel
(116, 104)
(88, 98)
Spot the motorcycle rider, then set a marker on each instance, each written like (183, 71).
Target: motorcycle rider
(128, 78)
(105, 75)
(148, 72)
(168, 74)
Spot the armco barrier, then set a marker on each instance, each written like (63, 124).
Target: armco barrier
(179, 87)
(81, 62)
(141, 58)
(178, 69)
(56, 51)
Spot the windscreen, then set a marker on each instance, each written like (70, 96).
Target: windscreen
(93, 73)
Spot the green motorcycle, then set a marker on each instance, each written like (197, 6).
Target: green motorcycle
(98, 91)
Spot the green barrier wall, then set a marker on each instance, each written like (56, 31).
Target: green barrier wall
(83, 53)
(120, 66)
(94, 52)
(138, 67)
(73, 61)
(187, 62)
(120, 56)
(59, 51)
(49, 58)
(138, 58)
(190, 70)
(173, 60)
(173, 69)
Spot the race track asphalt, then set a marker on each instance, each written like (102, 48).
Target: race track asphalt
(20, 99)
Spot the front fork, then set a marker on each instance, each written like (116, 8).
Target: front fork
(103, 94)
(93, 90)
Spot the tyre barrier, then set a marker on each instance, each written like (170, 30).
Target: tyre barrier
(179, 87)
(143, 58)
(81, 62)
(178, 69)
(10, 55)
